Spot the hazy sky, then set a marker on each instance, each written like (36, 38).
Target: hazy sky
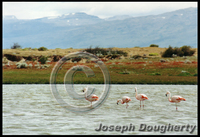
(33, 10)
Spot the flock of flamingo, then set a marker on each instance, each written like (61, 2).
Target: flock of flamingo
(142, 97)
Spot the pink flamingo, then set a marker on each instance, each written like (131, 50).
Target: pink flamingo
(140, 97)
(124, 99)
(175, 99)
(91, 98)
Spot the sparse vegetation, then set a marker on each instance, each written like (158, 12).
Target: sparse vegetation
(26, 49)
(34, 49)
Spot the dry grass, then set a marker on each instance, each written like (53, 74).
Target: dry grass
(147, 50)
(50, 52)
(131, 51)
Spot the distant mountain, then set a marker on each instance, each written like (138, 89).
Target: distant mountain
(80, 30)
(119, 17)
(72, 19)
(10, 17)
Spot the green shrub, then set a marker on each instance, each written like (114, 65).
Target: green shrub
(168, 52)
(76, 59)
(195, 74)
(42, 49)
(178, 51)
(101, 51)
(155, 74)
(43, 60)
(153, 54)
(154, 45)
(182, 51)
(187, 50)
(184, 74)
(136, 56)
(16, 46)
(124, 72)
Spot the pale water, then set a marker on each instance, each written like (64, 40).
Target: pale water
(32, 110)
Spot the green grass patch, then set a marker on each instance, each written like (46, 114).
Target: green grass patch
(184, 74)
(153, 54)
(132, 74)
(195, 74)
(155, 74)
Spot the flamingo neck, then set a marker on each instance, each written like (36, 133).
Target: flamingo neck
(119, 100)
(169, 97)
(86, 95)
(136, 93)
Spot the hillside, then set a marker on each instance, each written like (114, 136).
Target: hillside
(79, 30)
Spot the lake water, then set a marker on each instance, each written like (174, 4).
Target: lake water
(31, 109)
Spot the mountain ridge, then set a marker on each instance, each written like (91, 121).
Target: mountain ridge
(80, 30)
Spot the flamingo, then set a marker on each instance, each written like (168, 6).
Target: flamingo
(91, 98)
(175, 99)
(140, 97)
(124, 99)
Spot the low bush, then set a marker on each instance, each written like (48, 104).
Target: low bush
(136, 56)
(182, 51)
(155, 74)
(195, 74)
(77, 59)
(42, 49)
(43, 60)
(154, 45)
(109, 51)
(187, 51)
(16, 46)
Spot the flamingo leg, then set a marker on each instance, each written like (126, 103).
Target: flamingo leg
(127, 105)
(176, 107)
(143, 104)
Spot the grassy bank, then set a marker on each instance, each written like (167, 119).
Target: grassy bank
(123, 72)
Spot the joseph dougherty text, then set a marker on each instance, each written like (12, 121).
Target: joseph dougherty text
(150, 128)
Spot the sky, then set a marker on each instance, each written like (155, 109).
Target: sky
(34, 10)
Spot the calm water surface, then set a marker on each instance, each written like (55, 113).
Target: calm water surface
(32, 110)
